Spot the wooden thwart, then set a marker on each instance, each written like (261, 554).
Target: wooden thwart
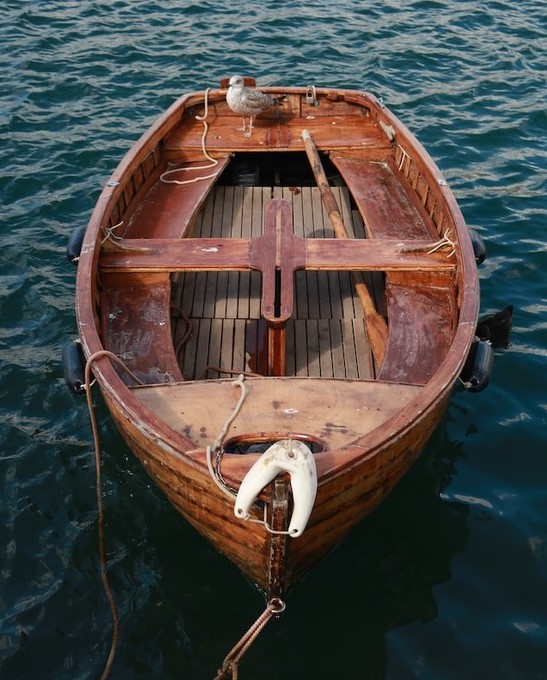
(239, 254)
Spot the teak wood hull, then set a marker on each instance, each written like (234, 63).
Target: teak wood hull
(349, 311)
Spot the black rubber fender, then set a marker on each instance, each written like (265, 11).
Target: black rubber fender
(74, 245)
(476, 373)
(74, 367)
(479, 247)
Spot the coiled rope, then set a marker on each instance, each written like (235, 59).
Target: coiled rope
(212, 161)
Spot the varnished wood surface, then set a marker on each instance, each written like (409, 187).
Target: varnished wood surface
(163, 209)
(388, 210)
(424, 311)
(333, 411)
(377, 428)
(218, 254)
(137, 328)
(280, 128)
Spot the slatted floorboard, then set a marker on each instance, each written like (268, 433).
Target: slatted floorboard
(216, 315)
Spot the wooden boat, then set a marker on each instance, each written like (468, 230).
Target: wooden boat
(294, 308)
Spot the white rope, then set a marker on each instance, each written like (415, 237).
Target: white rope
(213, 161)
(109, 233)
(441, 243)
(215, 474)
(444, 242)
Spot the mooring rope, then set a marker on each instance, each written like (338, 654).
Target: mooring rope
(230, 665)
(100, 520)
(213, 161)
(217, 444)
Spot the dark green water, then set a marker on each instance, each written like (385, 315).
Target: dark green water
(448, 581)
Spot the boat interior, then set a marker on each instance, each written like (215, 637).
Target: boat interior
(218, 323)
(285, 313)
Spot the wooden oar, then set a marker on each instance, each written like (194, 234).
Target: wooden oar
(375, 322)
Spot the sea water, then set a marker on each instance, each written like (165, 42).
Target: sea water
(448, 580)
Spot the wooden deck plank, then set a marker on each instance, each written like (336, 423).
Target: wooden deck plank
(325, 348)
(239, 359)
(200, 281)
(300, 277)
(214, 359)
(226, 287)
(290, 348)
(252, 215)
(188, 353)
(212, 299)
(333, 278)
(365, 363)
(314, 228)
(202, 348)
(348, 344)
(338, 355)
(232, 278)
(313, 366)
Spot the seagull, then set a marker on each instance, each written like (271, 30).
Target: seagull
(247, 101)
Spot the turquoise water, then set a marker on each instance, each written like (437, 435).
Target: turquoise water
(448, 581)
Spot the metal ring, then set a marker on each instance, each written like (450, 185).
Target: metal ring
(277, 605)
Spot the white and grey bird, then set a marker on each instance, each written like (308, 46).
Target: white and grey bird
(248, 101)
